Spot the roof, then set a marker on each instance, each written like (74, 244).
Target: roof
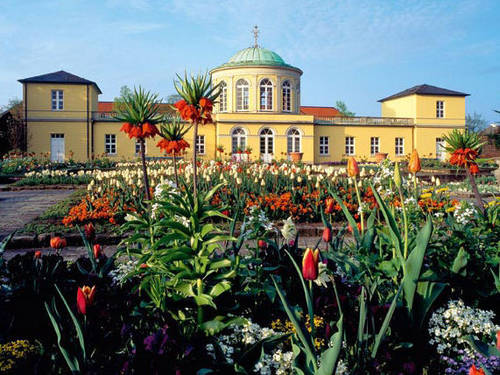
(256, 56)
(60, 77)
(424, 90)
(319, 111)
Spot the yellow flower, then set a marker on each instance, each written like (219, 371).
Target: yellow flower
(450, 209)
(426, 195)
(442, 190)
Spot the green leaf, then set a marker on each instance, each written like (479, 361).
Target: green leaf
(330, 357)
(460, 262)
(220, 288)
(204, 300)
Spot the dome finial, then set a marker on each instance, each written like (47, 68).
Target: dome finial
(256, 35)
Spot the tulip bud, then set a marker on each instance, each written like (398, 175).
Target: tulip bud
(84, 298)
(414, 165)
(89, 231)
(397, 175)
(310, 264)
(327, 234)
(329, 203)
(262, 244)
(352, 167)
(38, 254)
(57, 243)
(97, 251)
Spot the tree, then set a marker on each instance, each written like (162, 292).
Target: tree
(475, 123)
(12, 128)
(173, 98)
(342, 108)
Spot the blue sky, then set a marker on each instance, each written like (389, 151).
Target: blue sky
(355, 50)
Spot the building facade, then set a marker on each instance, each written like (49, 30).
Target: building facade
(259, 110)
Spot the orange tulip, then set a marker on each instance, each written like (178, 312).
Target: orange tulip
(97, 251)
(329, 203)
(327, 234)
(475, 371)
(84, 298)
(352, 167)
(57, 243)
(310, 264)
(414, 165)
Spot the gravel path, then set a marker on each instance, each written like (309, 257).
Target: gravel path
(18, 208)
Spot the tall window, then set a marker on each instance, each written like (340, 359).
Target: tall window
(349, 145)
(200, 144)
(293, 140)
(287, 96)
(223, 97)
(439, 109)
(266, 141)
(238, 140)
(138, 147)
(110, 144)
(324, 145)
(242, 95)
(57, 100)
(440, 152)
(374, 145)
(266, 95)
(400, 146)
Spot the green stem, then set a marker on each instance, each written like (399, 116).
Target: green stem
(405, 223)
(199, 285)
(311, 318)
(415, 186)
(359, 205)
(473, 184)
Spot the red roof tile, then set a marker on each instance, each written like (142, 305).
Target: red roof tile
(319, 111)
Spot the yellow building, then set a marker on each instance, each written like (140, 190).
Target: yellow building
(259, 110)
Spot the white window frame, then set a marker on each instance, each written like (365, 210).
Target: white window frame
(138, 147)
(57, 100)
(439, 108)
(374, 145)
(324, 145)
(223, 97)
(200, 144)
(350, 147)
(399, 146)
(266, 141)
(266, 95)
(286, 93)
(293, 140)
(110, 144)
(242, 95)
(238, 139)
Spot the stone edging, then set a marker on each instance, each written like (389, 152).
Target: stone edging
(42, 187)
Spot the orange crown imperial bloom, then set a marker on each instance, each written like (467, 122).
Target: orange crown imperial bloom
(414, 165)
(475, 371)
(473, 168)
(149, 130)
(310, 264)
(126, 127)
(352, 167)
(57, 243)
(180, 104)
(97, 251)
(135, 132)
(84, 298)
(206, 105)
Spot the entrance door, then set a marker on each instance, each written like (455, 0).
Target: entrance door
(266, 145)
(57, 147)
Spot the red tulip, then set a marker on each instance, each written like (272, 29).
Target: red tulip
(225, 212)
(57, 243)
(97, 251)
(310, 264)
(38, 254)
(414, 165)
(352, 167)
(143, 265)
(475, 371)
(89, 231)
(84, 298)
(262, 244)
(329, 203)
(498, 339)
(327, 234)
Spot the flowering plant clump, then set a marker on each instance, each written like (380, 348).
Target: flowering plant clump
(16, 355)
(450, 328)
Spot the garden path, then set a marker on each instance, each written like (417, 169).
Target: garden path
(18, 208)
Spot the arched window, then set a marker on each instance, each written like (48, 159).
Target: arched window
(238, 140)
(266, 144)
(242, 95)
(223, 97)
(286, 90)
(293, 140)
(266, 95)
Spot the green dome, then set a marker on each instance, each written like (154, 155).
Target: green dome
(256, 56)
